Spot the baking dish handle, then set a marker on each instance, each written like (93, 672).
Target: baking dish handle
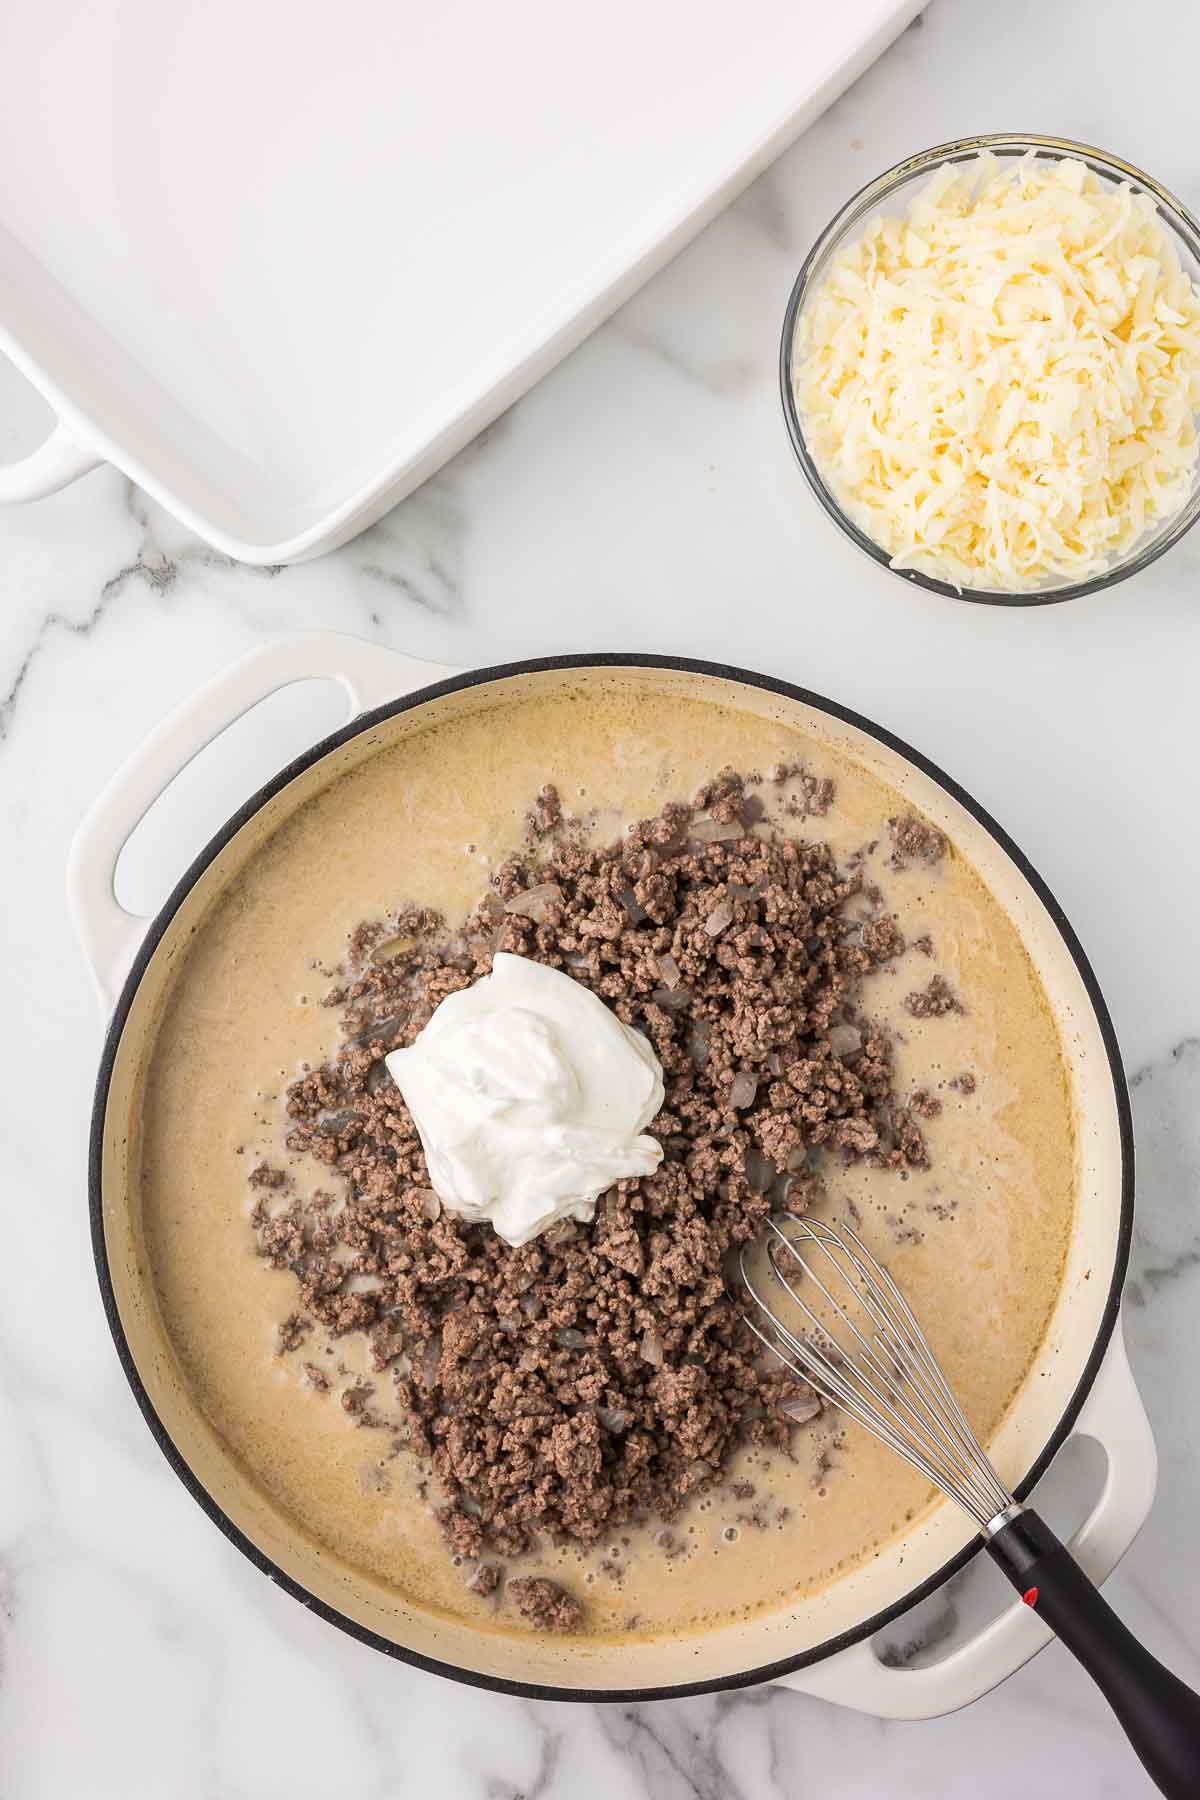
(369, 674)
(55, 464)
(1114, 1416)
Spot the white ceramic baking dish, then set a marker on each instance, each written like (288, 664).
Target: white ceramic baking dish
(277, 267)
(1080, 1382)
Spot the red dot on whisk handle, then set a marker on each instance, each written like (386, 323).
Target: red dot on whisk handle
(1030, 1596)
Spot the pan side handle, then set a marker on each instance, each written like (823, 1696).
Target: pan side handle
(1115, 1417)
(369, 674)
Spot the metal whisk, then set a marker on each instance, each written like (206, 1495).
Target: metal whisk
(852, 1336)
(870, 1357)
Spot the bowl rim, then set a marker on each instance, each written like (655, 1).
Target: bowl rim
(1008, 143)
(157, 930)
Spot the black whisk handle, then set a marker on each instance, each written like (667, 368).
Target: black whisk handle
(1158, 1714)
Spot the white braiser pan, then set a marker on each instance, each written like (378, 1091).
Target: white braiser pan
(1080, 1382)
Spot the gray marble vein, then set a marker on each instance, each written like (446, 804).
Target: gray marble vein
(764, 205)
(418, 550)
(51, 622)
(720, 376)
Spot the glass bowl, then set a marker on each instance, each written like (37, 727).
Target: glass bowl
(891, 192)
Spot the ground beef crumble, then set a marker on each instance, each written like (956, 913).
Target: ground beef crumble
(599, 1373)
(545, 814)
(935, 1001)
(267, 1177)
(914, 840)
(882, 939)
(545, 1604)
(484, 1579)
(292, 1332)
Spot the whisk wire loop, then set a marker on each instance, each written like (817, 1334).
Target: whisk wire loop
(899, 1319)
(819, 1301)
(868, 1355)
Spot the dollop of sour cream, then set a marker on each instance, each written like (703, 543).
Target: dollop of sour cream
(530, 1097)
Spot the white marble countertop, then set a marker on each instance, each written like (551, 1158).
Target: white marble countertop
(642, 498)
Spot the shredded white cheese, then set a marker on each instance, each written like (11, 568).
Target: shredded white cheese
(1000, 387)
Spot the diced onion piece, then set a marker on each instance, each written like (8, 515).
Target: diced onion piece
(760, 1170)
(671, 999)
(845, 1040)
(719, 918)
(716, 831)
(431, 1206)
(742, 1090)
(669, 969)
(532, 903)
(431, 1362)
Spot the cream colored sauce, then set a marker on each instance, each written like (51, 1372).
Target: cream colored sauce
(977, 1241)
